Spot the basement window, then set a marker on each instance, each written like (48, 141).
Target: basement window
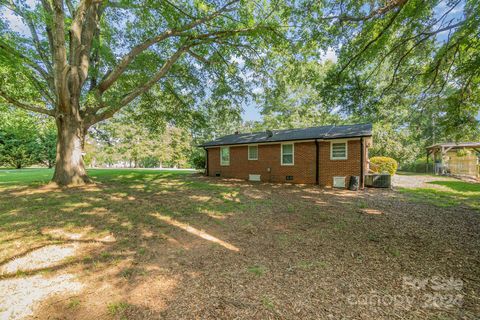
(225, 156)
(338, 150)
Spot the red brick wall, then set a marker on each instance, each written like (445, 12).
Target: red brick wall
(329, 168)
(303, 170)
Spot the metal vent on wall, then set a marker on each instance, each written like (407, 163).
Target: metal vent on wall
(339, 182)
(254, 177)
(289, 178)
(217, 174)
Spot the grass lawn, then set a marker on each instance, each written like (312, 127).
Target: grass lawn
(151, 244)
(447, 193)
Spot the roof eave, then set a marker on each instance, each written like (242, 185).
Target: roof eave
(280, 141)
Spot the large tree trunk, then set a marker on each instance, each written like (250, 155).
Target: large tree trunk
(69, 166)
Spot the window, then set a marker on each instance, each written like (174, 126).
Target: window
(287, 154)
(252, 152)
(338, 151)
(224, 156)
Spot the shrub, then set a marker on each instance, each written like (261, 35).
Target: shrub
(383, 165)
(197, 160)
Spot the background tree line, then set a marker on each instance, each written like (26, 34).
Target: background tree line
(176, 75)
(26, 139)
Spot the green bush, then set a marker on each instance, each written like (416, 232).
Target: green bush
(198, 160)
(383, 165)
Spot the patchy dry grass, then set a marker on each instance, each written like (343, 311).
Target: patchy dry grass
(144, 244)
(446, 193)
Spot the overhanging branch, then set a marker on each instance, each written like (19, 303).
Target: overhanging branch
(391, 5)
(9, 51)
(112, 76)
(110, 111)
(378, 36)
(25, 106)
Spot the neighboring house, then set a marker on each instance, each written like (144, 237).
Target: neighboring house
(327, 155)
(460, 159)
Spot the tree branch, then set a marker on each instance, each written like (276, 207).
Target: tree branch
(31, 26)
(110, 111)
(405, 40)
(391, 5)
(60, 66)
(198, 57)
(76, 31)
(9, 51)
(457, 50)
(91, 30)
(24, 106)
(40, 88)
(380, 34)
(112, 76)
(71, 8)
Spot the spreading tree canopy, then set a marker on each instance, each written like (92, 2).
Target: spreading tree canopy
(83, 61)
(412, 67)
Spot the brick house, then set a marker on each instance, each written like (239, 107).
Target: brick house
(326, 155)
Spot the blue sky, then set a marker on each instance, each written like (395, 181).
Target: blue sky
(251, 113)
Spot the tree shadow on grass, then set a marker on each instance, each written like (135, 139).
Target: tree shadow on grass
(167, 252)
(114, 207)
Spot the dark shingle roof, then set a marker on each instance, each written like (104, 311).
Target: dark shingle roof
(324, 132)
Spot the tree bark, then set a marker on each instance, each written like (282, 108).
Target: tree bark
(69, 166)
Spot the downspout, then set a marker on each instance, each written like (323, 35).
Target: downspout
(317, 175)
(206, 161)
(362, 164)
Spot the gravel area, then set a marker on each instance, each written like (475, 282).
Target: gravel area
(417, 181)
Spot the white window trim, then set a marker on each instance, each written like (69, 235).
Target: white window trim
(293, 154)
(221, 160)
(248, 151)
(331, 149)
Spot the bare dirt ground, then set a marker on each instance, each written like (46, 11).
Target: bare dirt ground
(190, 247)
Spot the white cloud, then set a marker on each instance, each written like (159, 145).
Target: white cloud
(328, 55)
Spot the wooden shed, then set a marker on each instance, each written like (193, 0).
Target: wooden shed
(460, 159)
